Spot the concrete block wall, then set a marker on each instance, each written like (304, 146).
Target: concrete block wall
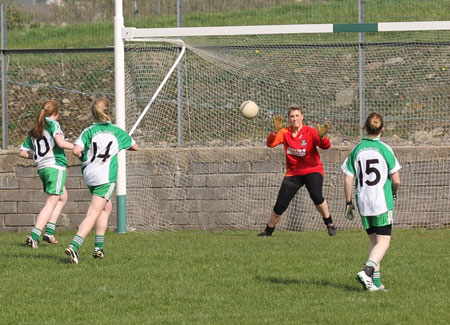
(191, 187)
(22, 197)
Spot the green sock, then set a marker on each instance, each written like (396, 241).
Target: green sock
(377, 279)
(99, 240)
(77, 241)
(50, 228)
(36, 233)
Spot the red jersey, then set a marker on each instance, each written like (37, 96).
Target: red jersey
(302, 157)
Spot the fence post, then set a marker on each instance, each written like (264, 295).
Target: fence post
(180, 79)
(4, 79)
(362, 60)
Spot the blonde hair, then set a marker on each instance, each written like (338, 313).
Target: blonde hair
(100, 110)
(49, 108)
(374, 124)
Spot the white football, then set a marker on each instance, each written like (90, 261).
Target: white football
(249, 109)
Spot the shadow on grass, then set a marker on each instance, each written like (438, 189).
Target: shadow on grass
(322, 283)
(30, 253)
(63, 259)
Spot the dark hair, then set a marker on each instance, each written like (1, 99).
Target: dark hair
(374, 124)
(294, 108)
(49, 108)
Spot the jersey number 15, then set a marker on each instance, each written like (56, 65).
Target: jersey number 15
(370, 169)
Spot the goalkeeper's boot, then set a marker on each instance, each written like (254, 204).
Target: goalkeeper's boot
(331, 229)
(73, 255)
(51, 239)
(98, 253)
(31, 242)
(366, 281)
(267, 232)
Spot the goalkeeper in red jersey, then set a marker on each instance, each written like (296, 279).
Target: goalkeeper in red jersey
(303, 165)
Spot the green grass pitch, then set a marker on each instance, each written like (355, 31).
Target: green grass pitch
(193, 277)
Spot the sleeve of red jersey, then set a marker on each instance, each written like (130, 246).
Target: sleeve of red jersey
(324, 143)
(274, 140)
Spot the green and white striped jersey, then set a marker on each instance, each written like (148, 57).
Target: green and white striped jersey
(101, 142)
(46, 153)
(372, 161)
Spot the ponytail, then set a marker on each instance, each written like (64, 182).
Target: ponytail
(100, 110)
(49, 108)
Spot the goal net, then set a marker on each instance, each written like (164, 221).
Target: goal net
(204, 166)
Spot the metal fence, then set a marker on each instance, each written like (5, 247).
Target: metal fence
(74, 77)
(71, 77)
(36, 16)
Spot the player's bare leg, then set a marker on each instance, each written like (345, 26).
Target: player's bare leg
(379, 244)
(273, 221)
(325, 213)
(370, 276)
(41, 220)
(100, 230)
(51, 224)
(95, 209)
(46, 211)
(59, 206)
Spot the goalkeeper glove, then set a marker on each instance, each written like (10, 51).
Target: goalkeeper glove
(394, 196)
(323, 129)
(349, 210)
(278, 123)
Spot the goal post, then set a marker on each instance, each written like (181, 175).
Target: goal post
(130, 33)
(119, 81)
(223, 176)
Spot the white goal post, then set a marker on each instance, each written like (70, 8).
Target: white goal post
(229, 173)
(132, 33)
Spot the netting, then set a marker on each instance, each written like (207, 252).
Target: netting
(207, 167)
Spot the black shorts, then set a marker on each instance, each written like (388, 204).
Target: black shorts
(383, 230)
(291, 185)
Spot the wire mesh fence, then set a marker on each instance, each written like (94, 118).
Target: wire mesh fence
(407, 75)
(72, 78)
(80, 22)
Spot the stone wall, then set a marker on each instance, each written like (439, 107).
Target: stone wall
(22, 197)
(202, 178)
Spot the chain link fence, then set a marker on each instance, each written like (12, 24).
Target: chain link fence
(74, 77)
(71, 77)
(76, 16)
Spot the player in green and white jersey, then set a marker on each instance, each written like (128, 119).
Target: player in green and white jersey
(97, 147)
(45, 144)
(376, 169)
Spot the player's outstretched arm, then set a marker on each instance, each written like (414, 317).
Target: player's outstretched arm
(278, 123)
(63, 143)
(322, 130)
(77, 151)
(134, 147)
